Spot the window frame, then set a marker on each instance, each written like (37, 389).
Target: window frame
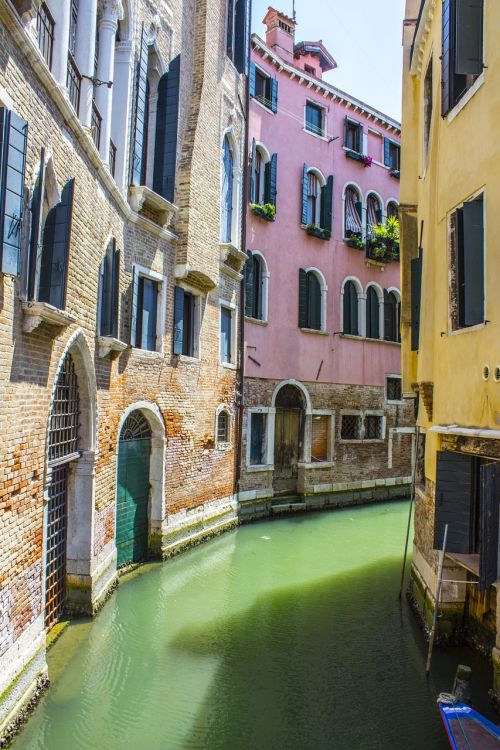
(138, 272)
(390, 376)
(268, 432)
(330, 454)
(356, 125)
(324, 119)
(355, 188)
(232, 309)
(223, 445)
(323, 301)
(351, 413)
(379, 415)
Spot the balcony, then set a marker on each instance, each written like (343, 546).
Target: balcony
(73, 83)
(95, 124)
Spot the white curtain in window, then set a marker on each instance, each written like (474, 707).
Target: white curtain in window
(352, 217)
(313, 202)
(371, 215)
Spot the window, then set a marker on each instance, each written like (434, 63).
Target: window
(393, 209)
(223, 427)
(320, 438)
(427, 109)
(110, 291)
(263, 176)
(13, 142)
(372, 314)
(317, 201)
(391, 155)
(393, 389)
(263, 88)
(353, 209)
(310, 70)
(315, 119)
(373, 427)
(237, 33)
(256, 283)
(462, 49)
(148, 309)
(227, 193)
(373, 215)
(45, 33)
(350, 427)
(467, 264)
(227, 335)
(392, 309)
(353, 135)
(186, 323)
(312, 299)
(258, 441)
(73, 78)
(350, 305)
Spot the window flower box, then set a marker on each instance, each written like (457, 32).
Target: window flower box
(266, 211)
(384, 244)
(315, 231)
(350, 154)
(355, 240)
(395, 173)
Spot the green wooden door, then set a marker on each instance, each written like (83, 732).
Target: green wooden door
(132, 498)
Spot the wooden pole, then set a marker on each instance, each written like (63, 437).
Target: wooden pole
(412, 498)
(438, 598)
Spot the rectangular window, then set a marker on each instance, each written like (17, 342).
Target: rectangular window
(187, 313)
(258, 425)
(392, 155)
(263, 88)
(315, 119)
(353, 136)
(45, 33)
(393, 389)
(319, 437)
(467, 264)
(226, 335)
(350, 427)
(188, 345)
(373, 427)
(147, 309)
(462, 49)
(428, 103)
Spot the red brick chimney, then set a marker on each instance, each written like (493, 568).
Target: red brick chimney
(280, 34)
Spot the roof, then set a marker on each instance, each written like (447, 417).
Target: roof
(317, 49)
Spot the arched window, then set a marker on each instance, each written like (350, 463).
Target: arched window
(372, 314)
(393, 209)
(256, 283)
(223, 427)
(312, 300)
(353, 211)
(392, 307)
(373, 215)
(263, 177)
(350, 309)
(313, 200)
(227, 192)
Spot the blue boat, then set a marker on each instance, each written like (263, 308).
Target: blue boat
(468, 730)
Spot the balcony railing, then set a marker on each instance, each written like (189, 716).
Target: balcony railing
(45, 33)
(112, 158)
(95, 123)
(73, 83)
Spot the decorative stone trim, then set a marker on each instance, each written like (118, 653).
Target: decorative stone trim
(140, 196)
(229, 253)
(36, 313)
(108, 344)
(197, 278)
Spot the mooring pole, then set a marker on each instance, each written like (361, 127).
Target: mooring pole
(412, 498)
(438, 599)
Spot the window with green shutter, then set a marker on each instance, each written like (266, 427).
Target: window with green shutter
(372, 314)
(350, 304)
(110, 291)
(467, 254)
(310, 301)
(13, 143)
(55, 250)
(462, 49)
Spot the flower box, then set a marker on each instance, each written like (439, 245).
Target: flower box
(321, 234)
(350, 154)
(395, 173)
(266, 211)
(354, 240)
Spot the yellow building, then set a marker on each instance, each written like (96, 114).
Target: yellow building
(450, 195)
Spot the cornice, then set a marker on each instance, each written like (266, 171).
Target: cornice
(422, 32)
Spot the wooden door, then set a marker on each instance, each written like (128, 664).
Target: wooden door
(287, 445)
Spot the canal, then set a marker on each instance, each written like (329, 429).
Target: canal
(283, 635)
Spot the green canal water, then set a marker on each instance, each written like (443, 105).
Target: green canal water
(283, 635)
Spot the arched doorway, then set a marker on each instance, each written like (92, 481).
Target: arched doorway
(62, 451)
(133, 489)
(288, 438)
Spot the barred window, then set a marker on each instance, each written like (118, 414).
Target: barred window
(373, 427)
(393, 389)
(350, 427)
(223, 427)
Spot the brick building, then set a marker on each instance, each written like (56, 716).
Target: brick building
(122, 136)
(325, 422)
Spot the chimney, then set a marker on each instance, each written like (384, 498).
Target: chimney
(280, 34)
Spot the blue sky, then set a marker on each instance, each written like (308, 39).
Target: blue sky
(364, 37)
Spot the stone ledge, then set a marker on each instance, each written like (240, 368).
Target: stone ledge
(36, 313)
(108, 344)
(140, 196)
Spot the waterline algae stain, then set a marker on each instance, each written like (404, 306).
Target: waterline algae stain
(282, 635)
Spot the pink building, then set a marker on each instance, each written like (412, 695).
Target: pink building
(324, 417)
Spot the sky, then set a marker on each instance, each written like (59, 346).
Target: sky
(364, 37)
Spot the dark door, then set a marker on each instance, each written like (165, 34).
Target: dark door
(133, 487)
(287, 447)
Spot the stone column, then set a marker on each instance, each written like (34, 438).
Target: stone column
(79, 548)
(84, 56)
(110, 12)
(121, 94)
(61, 13)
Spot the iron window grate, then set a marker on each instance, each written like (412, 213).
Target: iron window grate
(394, 391)
(135, 427)
(223, 427)
(55, 563)
(373, 427)
(350, 427)
(64, 418)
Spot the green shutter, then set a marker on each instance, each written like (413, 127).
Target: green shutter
(327, 204)
(469, 37)
(304, 195)
(387, 152)
(360, 138)
(274, 94)
(13, 140)
(372, 314)
(55, 252)
(115, 297)
(167, 117)
(353, 309)
(253, 183)
(455, 490)
(252, 79)
(36, 228)
(313, 302)
(416, 292)
(242, 35)
(302, 298)
(446, 59)
(249, 285)
(346, 128)
(140, 126)
(490, 495)
(106, 317)
(471, 270)
(178, 337)
(271, 176)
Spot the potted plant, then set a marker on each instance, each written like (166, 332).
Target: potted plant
(266, 211)
(355, 240)
(367, 161)
(315, 231)
(384, 245)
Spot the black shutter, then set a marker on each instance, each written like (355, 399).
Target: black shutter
(490, 501)
(116, 293)
(353, 309)
(106, 317)
(471, 301)
(140, 112)
(346, 132)
(302, 298)
(167, 117)
(469, 37)
(416, 292)
(271, 176)
(447, 73)
(249, 285)
(178, 337)
(242, 35)
(56, 239)
(313, 302)
(327, 204)
(454, 501)
(252, 79)
(253, 183)
(304, 195)
(360, 138)
(387, 152)
(372, 314)
(13, 139)
(36, 227)
(274, 94)
(388, 332)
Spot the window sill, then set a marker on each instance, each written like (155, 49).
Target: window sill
(467, 329)
(223, 447)
(465, 99)
(369, 340)
(256, 321)
(317, 465)
(188, 360)
(147, 352)
(108, 344)
(324, 138)
(394, 403)
(140, 196)
(229, 365)
(230, 253)
(263, 106)
(260, 468)
(313, 330)
(36, 313)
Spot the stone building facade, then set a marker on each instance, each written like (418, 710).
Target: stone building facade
(121, 168)
(450, 273)
(325, 422)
